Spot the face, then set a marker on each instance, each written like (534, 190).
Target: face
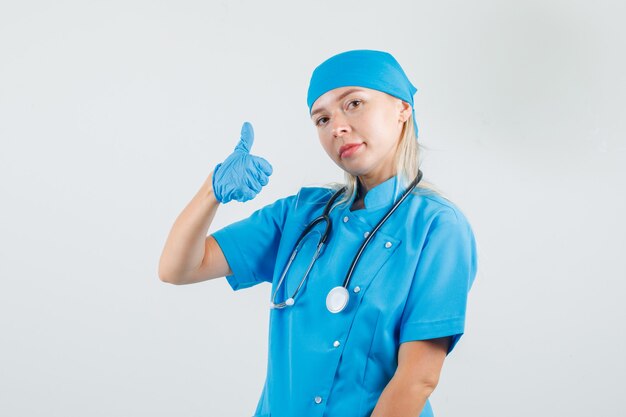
(359, 128)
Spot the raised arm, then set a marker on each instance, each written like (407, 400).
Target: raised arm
(189, 255)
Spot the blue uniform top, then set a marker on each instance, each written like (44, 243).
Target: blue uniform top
(411, 283)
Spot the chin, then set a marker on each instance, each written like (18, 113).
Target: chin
(354, 172)
(355, 167)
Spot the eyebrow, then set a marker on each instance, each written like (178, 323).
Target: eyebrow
(345, 93)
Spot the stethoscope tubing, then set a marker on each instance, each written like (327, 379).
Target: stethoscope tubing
(325, 217)
(413, 184)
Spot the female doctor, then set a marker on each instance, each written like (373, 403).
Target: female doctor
(369, 279)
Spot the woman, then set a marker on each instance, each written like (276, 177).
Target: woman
(361, 324)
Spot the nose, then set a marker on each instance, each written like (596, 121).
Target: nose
(339, 125)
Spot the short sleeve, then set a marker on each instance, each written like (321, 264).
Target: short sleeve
(446, 269)
(251, 245)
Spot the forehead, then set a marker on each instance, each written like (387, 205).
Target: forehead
(336, 94)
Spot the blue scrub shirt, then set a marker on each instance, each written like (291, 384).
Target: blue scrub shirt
(411, 283)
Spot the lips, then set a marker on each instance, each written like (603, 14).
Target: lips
(348, 147)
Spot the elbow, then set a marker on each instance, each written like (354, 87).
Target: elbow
(421, 386)
(163, 274)
(168, 273)
(426, 385)
(169, 277)
(166, 278)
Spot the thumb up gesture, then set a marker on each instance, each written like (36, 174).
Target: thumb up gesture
(241, 176)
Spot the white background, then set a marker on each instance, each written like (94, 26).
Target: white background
(113, 113)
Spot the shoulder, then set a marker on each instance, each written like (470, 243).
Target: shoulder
(435, 210)
(444, 231)
(301, 203)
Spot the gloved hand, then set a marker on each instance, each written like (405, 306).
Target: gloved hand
(241, 176)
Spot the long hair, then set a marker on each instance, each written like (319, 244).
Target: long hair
(407, 161)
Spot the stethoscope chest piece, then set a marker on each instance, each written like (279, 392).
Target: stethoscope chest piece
(337, 299)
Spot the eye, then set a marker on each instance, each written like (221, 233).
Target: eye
(318, 121)
(358, 102)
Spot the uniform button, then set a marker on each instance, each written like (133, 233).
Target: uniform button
(318, 399)
(357, 289)
(366, 234)
(345, 219)
(388, 244)
(336, 343)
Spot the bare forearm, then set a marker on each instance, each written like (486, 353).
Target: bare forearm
(185, 245)
(400, 399)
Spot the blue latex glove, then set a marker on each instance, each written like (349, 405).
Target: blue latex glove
(241, 176)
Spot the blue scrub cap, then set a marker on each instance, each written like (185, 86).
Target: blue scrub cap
(377, 70)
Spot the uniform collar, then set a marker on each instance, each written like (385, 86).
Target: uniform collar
(383, 195)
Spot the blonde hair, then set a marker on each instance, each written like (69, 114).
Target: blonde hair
(407, 161)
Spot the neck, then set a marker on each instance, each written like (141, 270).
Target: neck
(364, 184)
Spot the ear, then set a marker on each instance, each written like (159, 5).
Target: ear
(405, 110)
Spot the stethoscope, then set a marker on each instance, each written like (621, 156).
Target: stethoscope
(338, 297)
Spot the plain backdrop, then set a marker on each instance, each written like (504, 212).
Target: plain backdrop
(113, 113)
